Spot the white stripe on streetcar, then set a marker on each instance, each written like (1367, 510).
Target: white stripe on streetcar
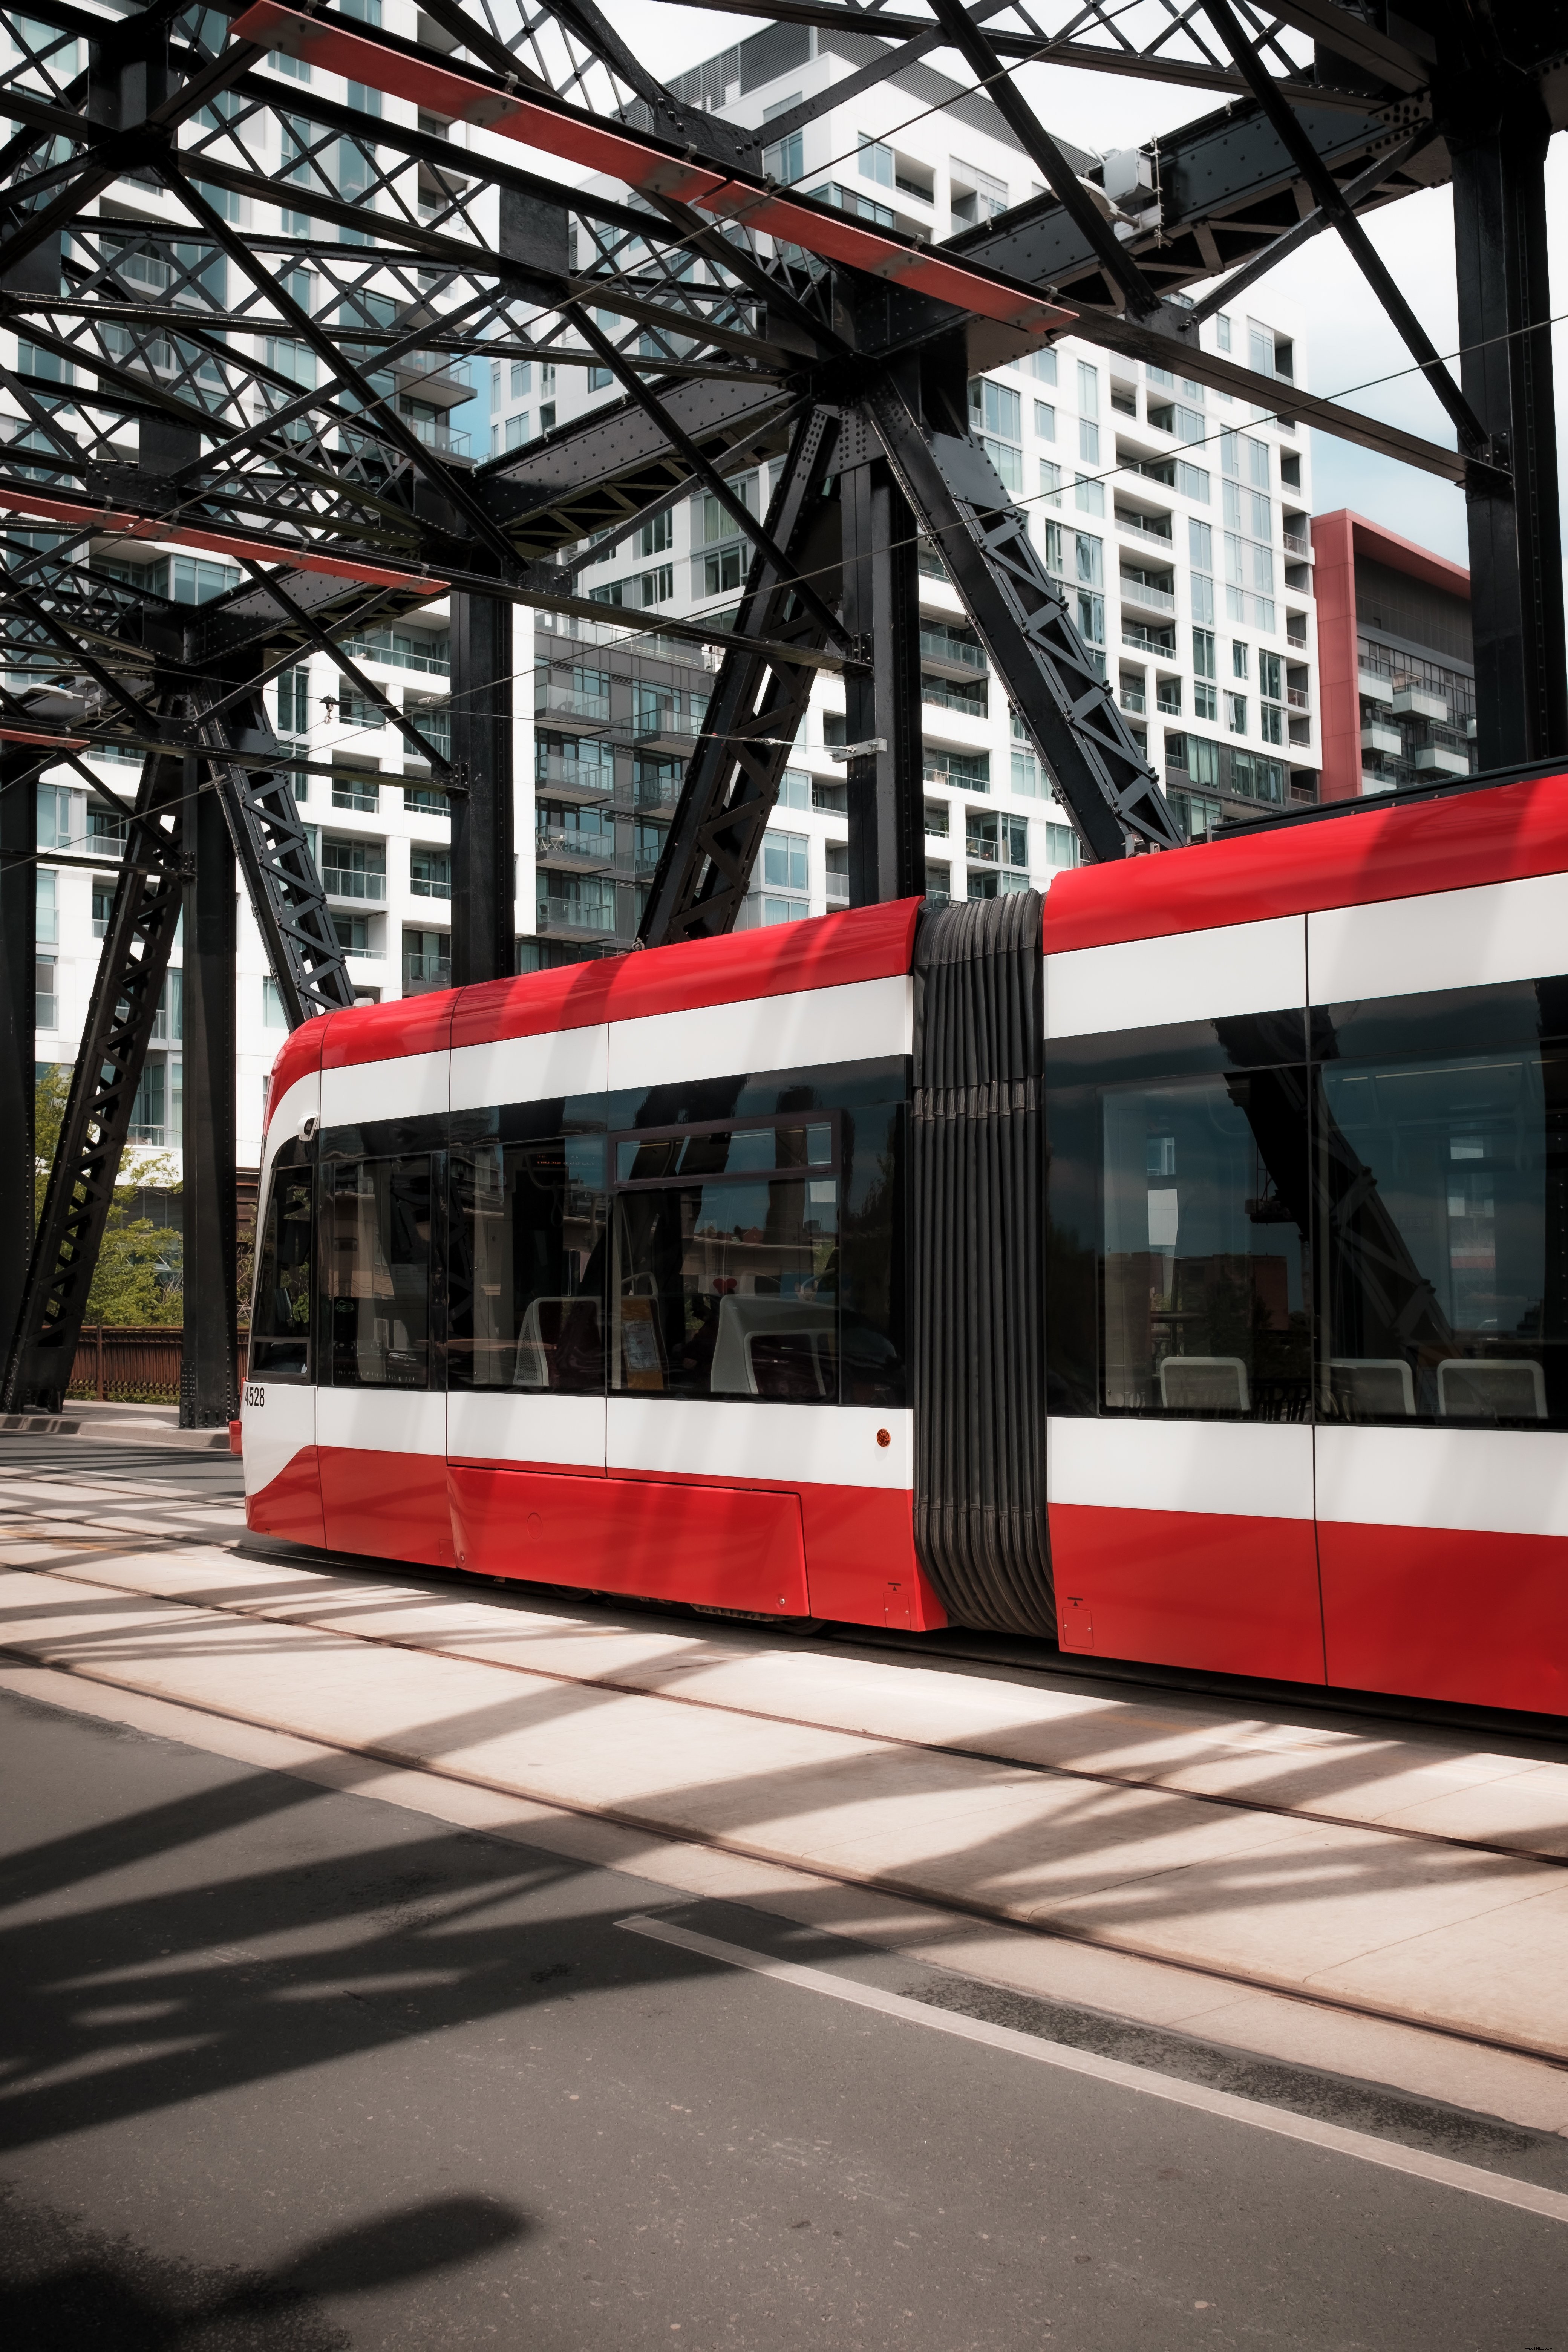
(1551, 2203)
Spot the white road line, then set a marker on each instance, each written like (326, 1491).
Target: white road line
(1550, 2203)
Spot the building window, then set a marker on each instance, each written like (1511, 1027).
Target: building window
(1089, 495)
(169, 1020)
(1268, 675)
(46, 1001)
(516, 427)
(876, 161)
(103, 888)
(354, 870)
(1240, 663)
(1061, 847)
(1236, 713)
(195, 582)
(656, 536)
(1090, 555)
(294, 702)
(430, 873)
(1041, 364)
(45, 895)
(147, 1111)
(794, 789)
(519, 375)
(784, 160)
(426, 961)
(1200, 544)
(1203, 597)
(1087, 389)
(1050, 482)
(1026, 776)
(354, 789)
(273, 1016)
(1222, 331)
(1205, 700)
(1203, 653)
(938, 883)
(56, 818)
(1087, 441)
(1271, 722)
(1045, 421)
(839, 873)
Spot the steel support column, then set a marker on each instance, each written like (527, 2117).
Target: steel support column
(1516, 551)
(882, 704)
(484, 928)
(18, 1050)
(208, 1389)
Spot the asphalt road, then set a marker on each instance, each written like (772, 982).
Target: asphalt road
(287, 2070)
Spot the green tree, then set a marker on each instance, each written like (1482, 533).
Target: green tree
(140, 1272)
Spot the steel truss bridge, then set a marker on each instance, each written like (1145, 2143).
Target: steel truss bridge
(226, 391)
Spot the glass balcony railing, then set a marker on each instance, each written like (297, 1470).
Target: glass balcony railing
(353, 882)
(950, 695)
(566, 702)
(573, 775)
(1146, 593)
(942, 645)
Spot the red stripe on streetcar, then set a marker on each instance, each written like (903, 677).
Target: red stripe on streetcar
(557, 130)
(1502, 836)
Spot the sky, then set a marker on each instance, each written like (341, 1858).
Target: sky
(1350, 343)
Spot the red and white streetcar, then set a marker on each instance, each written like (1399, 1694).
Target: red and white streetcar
(1176, 1267)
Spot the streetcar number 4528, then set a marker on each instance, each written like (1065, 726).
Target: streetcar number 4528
(255, 1396)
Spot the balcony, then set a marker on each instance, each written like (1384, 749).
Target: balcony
(583, 783)
(1137, 528)
(1420, 702)
(667, 730)
(1140, 640)
(437, 374)
(971, 702)
(1297, 544)
(436, 434)
(553, 701)
(1374, 685)
(1136, 589)
(656, 792)
(1168, 699)
(976, 846)
(398, 652)
(362, 885)
(931, 563)
(1298, 698)
(1377, 735)
(939, 645)
(421, 973)
(1132, 698)
(574, 853)
(839, 889)
(566, 918)
(580, 632)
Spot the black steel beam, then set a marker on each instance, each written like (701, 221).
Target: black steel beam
(208, 1390)
(882, 697)
(18, 1047)
(755, 710)
(484, 925)
(1505, 332)
(1065, 706)
(109, 1062)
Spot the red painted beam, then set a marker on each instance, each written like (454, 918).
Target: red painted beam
(113, 521)
(536, 120)
(45, 741)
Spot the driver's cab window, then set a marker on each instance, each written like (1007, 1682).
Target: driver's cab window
(280, 1311)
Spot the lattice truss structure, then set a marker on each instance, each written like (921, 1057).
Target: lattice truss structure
(220, 282)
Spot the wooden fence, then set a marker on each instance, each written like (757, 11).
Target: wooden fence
(135, 1363)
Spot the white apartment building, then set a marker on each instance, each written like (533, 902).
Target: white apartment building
(1176, 519)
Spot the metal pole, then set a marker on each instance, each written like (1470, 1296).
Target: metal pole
(208, 1392)
(1516, 557)
(18, 980)
(881, 703)
(484, 927)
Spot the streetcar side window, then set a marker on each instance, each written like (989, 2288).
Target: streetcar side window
(1179, 1209)
(527, 1267)
(1443, 1189)
(280, 1313)
(375, 1248)
(725, 1281)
